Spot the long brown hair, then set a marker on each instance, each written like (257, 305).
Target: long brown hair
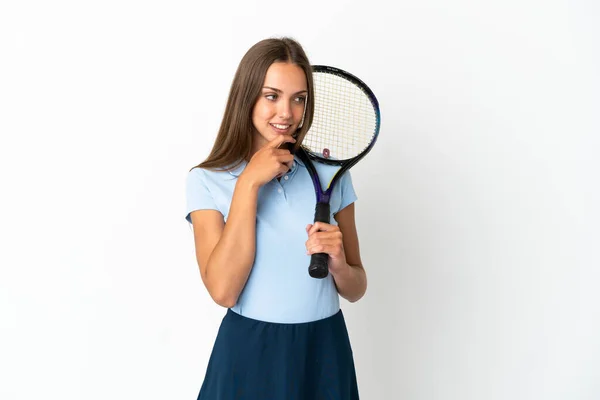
(234, 139)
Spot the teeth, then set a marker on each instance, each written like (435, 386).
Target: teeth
(278, 126)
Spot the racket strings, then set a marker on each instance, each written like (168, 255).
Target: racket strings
(344, 122)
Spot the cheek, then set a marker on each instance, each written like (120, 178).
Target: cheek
(298, 112)
(262, 111)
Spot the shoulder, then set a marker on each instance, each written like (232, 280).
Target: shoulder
(215, 176)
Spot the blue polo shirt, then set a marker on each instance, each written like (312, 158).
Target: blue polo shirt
(279, 288)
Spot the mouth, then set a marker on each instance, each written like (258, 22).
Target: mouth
(281, 128)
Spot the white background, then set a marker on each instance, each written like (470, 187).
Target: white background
(478, 208)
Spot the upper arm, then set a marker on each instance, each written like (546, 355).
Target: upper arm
(208, 226)
(347, 224)
(346, 221)
(203, 212)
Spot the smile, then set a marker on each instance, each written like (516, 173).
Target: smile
(280, 126)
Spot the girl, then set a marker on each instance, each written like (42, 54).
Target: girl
(283, 336)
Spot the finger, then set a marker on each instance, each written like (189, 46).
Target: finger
(279, 140)
(282, 171)
(287, 159)
(315, 250)
(313, 229)
(282, 153)
(323, 227)
(287, 145)
(323, 240)
(284, 156)
(333, 250)
(285, 166)
(326, 237)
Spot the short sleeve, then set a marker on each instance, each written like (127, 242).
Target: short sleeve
(198, 196)
(347, 191)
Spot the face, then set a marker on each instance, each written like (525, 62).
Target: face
(280, 106)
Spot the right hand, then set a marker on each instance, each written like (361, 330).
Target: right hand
(269, 162)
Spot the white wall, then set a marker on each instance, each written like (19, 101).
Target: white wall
(477, 214)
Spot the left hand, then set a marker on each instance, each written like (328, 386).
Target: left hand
(327, 238)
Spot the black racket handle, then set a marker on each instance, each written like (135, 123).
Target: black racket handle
(319, 267)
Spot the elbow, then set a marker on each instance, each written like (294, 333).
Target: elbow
(359, 294)
(355, 298)
(224, 302)
(223, 298)
(220, 293)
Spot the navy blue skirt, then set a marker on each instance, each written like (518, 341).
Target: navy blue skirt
(257, 360)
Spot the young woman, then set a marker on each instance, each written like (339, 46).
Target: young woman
(251, 204)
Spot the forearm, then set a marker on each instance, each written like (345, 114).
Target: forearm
(231, 261)
(351, 282)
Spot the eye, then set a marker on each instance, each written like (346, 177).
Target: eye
(271, 96)
(300, 99)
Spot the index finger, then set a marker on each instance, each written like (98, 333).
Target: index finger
(279, 140)
(322, 227)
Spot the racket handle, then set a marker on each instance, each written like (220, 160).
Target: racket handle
(319, 267)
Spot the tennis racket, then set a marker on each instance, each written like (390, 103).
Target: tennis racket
(344, 129)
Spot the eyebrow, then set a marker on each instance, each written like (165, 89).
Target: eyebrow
(279, 91)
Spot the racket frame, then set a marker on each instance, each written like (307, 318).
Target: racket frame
(319, 262)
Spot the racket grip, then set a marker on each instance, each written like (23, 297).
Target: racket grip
(319, 267)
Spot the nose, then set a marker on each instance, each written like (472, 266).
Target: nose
(285, 110)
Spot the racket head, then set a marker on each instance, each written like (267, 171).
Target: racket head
(346, 119)
(345, 126)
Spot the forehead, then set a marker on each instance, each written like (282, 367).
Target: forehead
(285, 76)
